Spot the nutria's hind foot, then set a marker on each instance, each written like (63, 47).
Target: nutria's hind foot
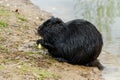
(61, 59)
(96, 63)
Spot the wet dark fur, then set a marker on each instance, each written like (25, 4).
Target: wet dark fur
(76, 41)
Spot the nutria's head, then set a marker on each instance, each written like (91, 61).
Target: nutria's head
(50, 27)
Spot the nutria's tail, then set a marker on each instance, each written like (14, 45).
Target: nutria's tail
(96, 63)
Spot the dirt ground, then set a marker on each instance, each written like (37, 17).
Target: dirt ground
(19, 57)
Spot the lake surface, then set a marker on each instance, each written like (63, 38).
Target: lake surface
(105, 14)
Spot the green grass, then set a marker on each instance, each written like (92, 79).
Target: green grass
(45, 74)
(3, 24)
(4, 12)
(31, 52)
(2, 67)
(4, 16)
(21, 18)
(3, 49)
(26, 27)
(2, 38)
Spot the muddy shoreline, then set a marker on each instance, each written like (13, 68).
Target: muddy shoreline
(20, 59)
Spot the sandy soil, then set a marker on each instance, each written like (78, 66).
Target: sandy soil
(19, 57)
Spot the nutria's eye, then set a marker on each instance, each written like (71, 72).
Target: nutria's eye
(58, 22)
(48, 21)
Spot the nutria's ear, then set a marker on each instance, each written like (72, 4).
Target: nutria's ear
(56, 20)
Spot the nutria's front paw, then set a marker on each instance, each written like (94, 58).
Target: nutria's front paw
(39, 43)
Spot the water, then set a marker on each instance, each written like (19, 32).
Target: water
(105, 14)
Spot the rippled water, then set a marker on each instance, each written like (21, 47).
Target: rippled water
(105, 14)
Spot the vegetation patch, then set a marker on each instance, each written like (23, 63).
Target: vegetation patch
(31, 52)
(3, 24)
(2, 38)
(2, 67)
(45, 74)
(4, 12)
(3, 49)
(5, 61)
(21, 18)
